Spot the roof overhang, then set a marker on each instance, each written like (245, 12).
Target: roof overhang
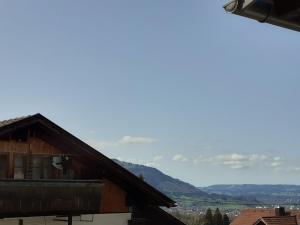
(283, 13)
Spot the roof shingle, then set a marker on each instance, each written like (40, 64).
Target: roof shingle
(279, 220)
(250, 216)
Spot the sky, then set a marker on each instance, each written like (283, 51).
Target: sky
(179, 85)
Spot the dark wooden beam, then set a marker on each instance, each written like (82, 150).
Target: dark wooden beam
(283, 7)
(70, 220)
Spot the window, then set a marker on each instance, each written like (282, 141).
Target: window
(3, 166)
(42, 167)
(37, 167)
(47, 168)
(19, 167)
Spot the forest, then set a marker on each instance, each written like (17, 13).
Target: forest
(209, 218)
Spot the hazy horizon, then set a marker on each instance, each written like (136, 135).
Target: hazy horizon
(207, 185)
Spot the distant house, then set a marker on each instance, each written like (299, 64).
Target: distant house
(277, 220)
(48, 176)
(277, 216)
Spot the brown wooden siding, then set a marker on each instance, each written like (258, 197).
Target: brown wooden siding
(113, 199)
(49, 197)
(35, 147)
(38, 146)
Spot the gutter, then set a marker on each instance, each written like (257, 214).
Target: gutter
(264, 11)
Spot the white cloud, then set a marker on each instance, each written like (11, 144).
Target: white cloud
(135, 161)
(232, 157)
(295, 169)
(233, 161)
(277, 158)
(125, 140)
(276, 163)
(256, 157)
(289, 168)
(238, 166)
(201, 159)
(119, 158)
(243, 161)
(154, 164)
(158, 158)
(179, 158)
(151, 164)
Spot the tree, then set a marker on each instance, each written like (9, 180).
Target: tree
(217, 218)
(208, 219)
(226, 220)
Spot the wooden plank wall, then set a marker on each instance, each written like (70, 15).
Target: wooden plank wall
(38, 146)
(10, 148)
(113, 199)
(34, 146)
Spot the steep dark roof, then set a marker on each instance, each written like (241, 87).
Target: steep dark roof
(156, 215)
(169, 219)
(128, 180)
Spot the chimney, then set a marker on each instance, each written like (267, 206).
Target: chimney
(280, 211)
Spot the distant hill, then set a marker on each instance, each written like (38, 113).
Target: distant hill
(161, 181)
(269, 194)
(184, 193)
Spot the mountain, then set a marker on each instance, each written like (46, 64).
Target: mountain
(269, 194)
(161, 181)
(184, 193)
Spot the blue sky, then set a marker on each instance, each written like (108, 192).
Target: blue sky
(204, 96)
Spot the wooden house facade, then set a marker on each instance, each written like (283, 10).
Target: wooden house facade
(47, 173)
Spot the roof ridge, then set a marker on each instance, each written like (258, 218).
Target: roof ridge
(13, 120)
(279, 216)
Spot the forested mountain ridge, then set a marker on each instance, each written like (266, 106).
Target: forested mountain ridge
(184, 193)
(268, 194)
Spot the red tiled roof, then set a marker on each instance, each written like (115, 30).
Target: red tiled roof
(278, 220)
(297, 214)
(250, 216)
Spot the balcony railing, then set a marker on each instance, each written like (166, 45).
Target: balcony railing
(49, 197)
